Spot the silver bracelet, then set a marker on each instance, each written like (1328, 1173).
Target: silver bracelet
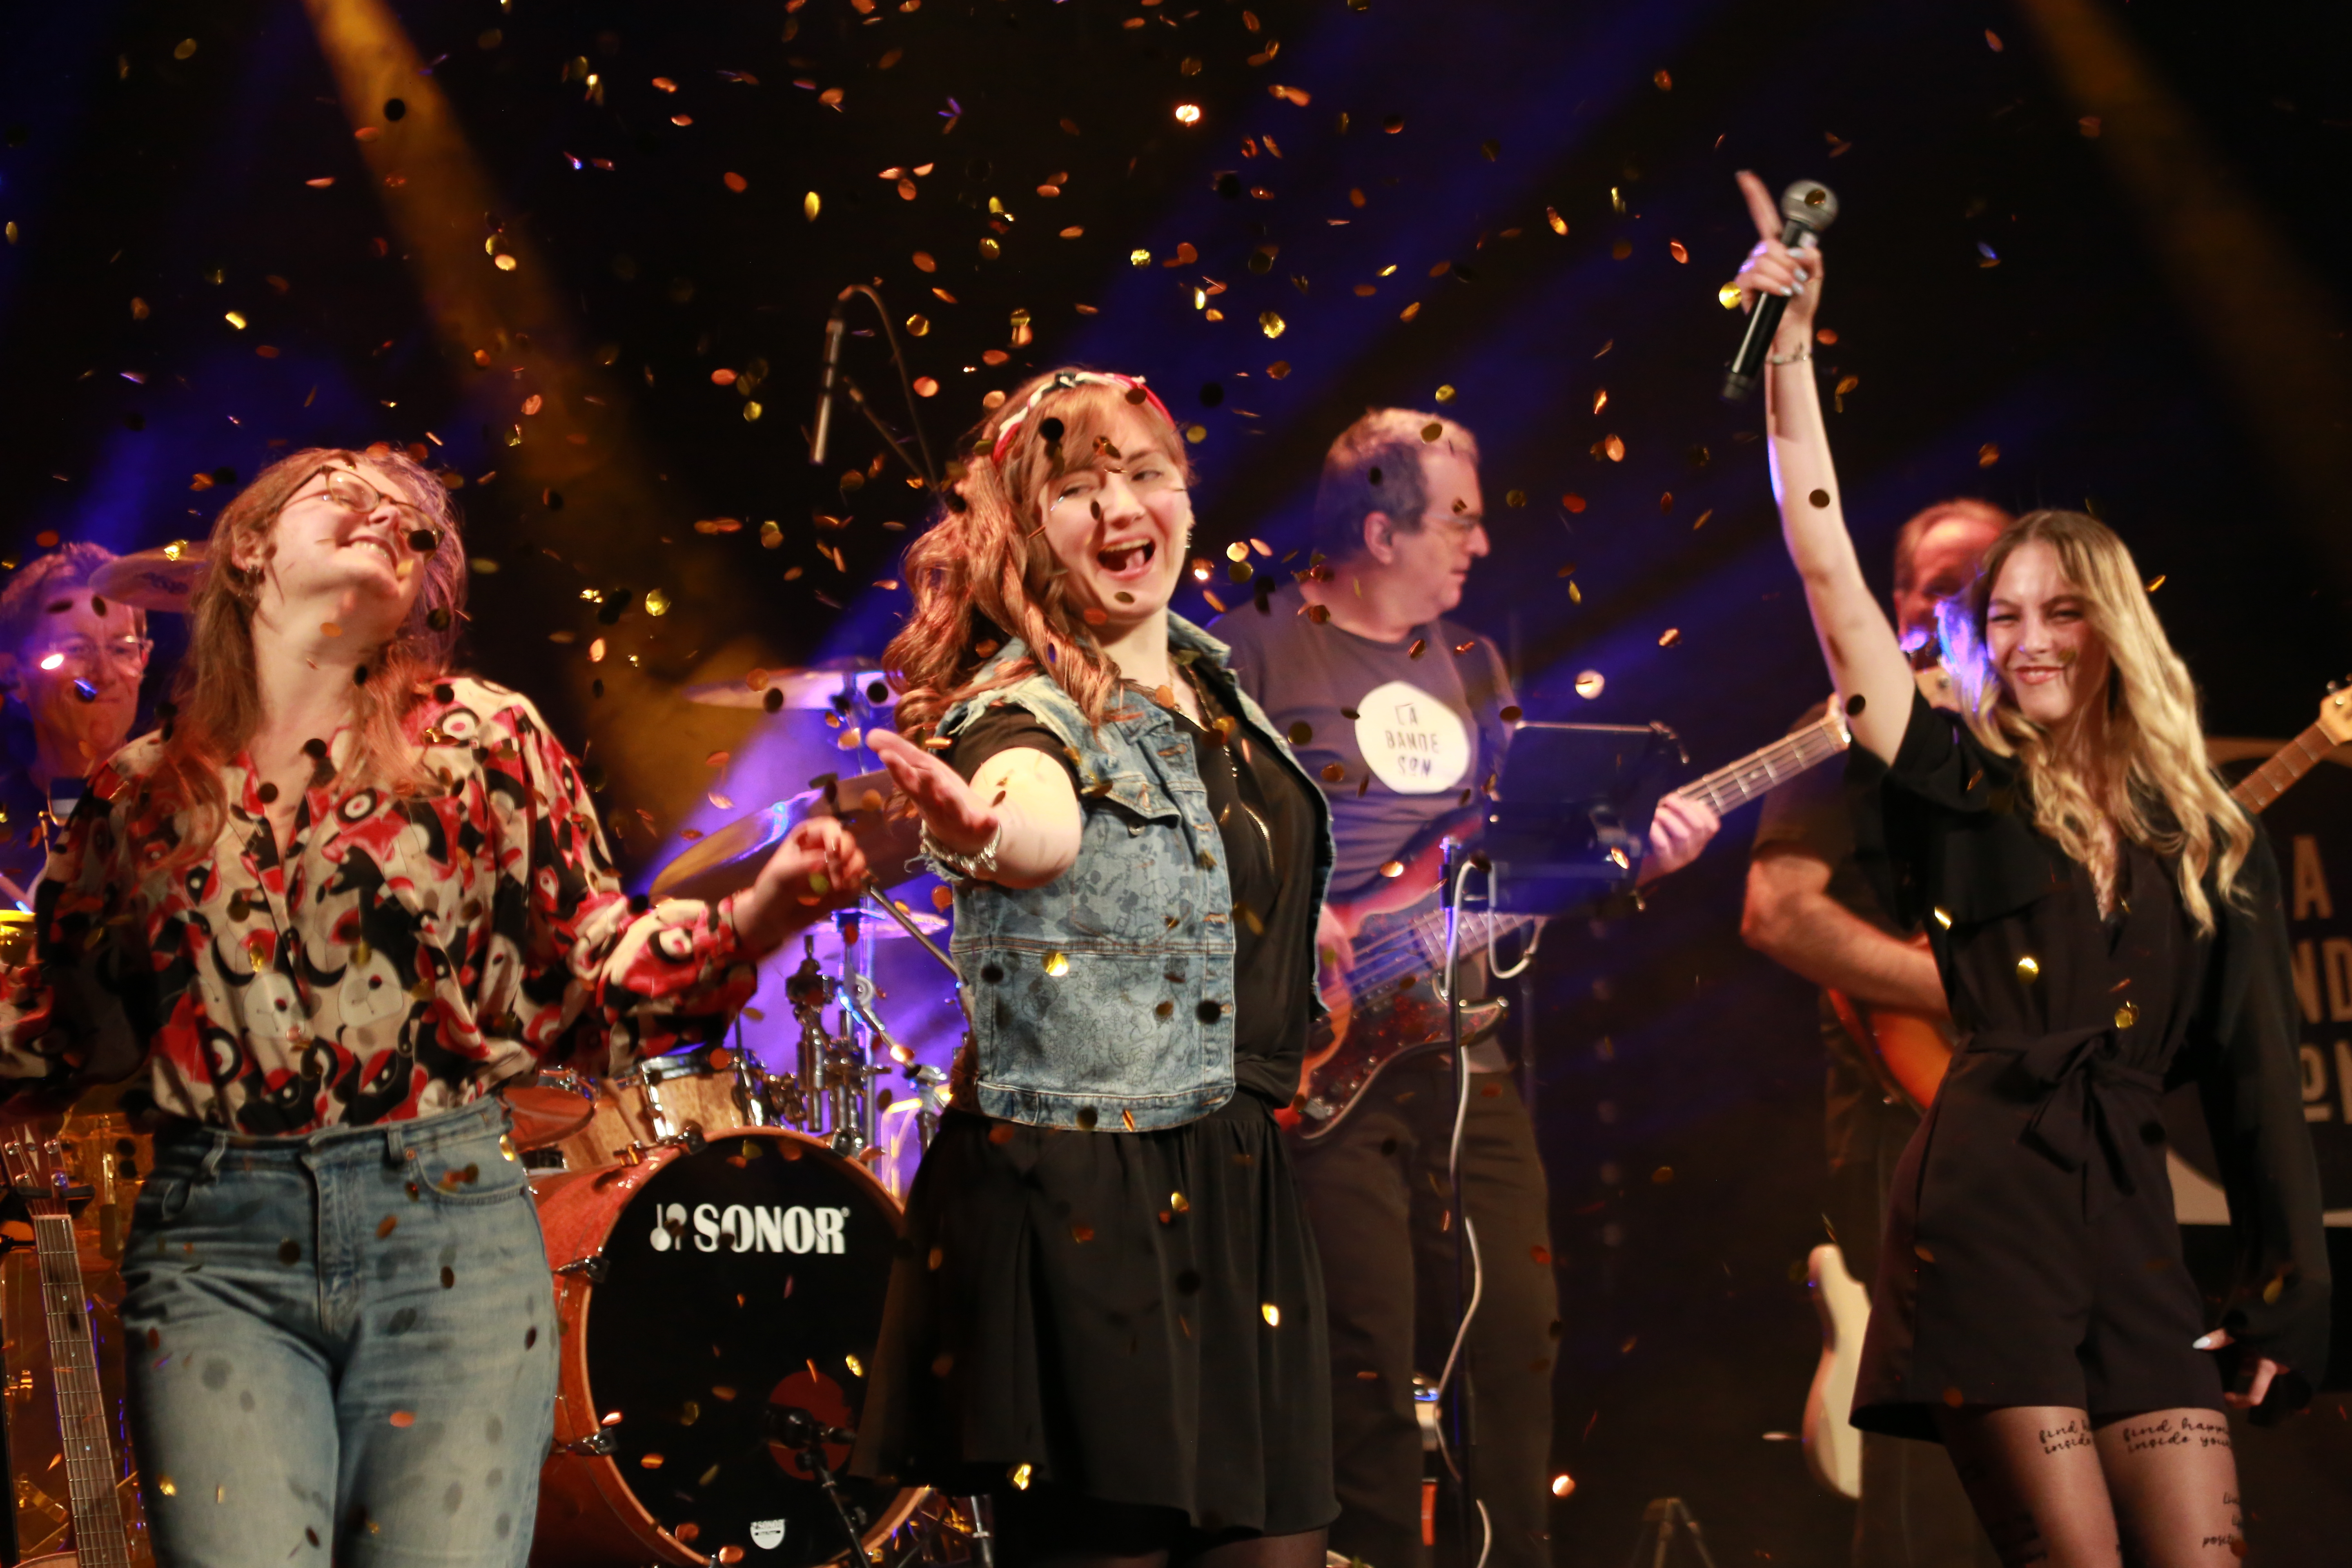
(1805, 354)
(979, 865)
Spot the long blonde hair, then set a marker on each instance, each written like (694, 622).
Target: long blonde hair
(983, 571)
(2154, 782)
(216, 697)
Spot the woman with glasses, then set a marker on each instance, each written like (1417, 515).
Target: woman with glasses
(73, 662)
(337, 898)
(1109, 1314)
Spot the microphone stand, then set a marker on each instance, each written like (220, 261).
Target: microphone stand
(1461, 1413)
(834, 325)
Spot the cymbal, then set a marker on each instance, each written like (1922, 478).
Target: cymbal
(160, 579)
(730, 858)
(804, 690)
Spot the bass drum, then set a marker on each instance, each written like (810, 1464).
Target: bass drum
(701, 1297)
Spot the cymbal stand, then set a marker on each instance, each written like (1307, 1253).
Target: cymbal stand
(808, 990)
(849, 1066)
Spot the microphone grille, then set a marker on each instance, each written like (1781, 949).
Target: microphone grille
(1810, 203)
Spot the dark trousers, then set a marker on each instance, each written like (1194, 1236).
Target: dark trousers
(1376, 1190)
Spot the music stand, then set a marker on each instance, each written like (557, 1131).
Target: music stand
(1570, 817)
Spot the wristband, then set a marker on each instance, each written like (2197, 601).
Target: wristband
(978, 865)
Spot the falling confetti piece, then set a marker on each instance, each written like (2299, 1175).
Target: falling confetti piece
(1272, 1313)
(1188, 114)
(1674, 249)
(811, 204)
(1392, 869)
(1590, 684)
(1993, 41)
(1563, 1484)
(1573, 503)
(1057, 964)
(1616, 448)
(1987, 455)
(1670, 636)
(2155, 582)
(1271, 323)
(2089, 125)
(1558, 224)
(734, 182)
(1019, 1476)
(403, 1419)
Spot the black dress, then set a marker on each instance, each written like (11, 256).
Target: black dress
(2031, 1254)
(1133, 1319)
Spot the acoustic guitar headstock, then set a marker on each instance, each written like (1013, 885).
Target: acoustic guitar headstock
(38, 1172)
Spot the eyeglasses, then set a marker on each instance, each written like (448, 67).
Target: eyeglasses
(355, 494)
(82, 655)
(1148, 474)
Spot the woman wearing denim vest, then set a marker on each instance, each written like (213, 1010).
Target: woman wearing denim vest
(1109, 1313)
(340, 896)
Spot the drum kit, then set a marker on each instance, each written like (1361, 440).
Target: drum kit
(721, 1236)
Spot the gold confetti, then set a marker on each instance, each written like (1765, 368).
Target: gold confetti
(1057, 964)
(2127, 1016)
(1186, 114)
(1392, 869)
(1445, 394)
(1432, 430)
(1988, 454)
(2155, 582)
(1615, 449)
(1670, 636)
(1272, 1313)
(1590, 684)
(1600, 399)
(1944, 919)
(811, 204)
(1558, 224)
(656, 602)
(1564, 1483)
(2029, 968)
(1271, 323)
(163, 1484)
(1020, 1475)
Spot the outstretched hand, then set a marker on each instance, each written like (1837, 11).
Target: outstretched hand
(1772, 268)
(959, 819)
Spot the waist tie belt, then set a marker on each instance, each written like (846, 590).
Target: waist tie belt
(2085, 1108)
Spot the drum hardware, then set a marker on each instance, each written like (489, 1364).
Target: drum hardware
(807, 1436)
(591, 1268)
(595, 1446)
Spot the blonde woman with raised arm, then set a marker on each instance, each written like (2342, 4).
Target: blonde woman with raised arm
(2106, 925)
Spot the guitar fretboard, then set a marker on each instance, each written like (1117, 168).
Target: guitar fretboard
(1734, 785)
(99, 1536)
(2299, 756)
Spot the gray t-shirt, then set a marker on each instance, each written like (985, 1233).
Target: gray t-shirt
(1401, 742)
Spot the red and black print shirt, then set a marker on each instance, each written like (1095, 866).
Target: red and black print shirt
(403, 957)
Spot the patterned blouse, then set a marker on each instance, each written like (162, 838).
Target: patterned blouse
(405, 956)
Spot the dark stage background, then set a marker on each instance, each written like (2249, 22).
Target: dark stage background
(2091, 255)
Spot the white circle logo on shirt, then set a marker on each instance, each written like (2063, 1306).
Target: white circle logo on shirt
(1413, 742)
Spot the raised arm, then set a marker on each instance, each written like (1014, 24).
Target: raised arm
(1865, 662)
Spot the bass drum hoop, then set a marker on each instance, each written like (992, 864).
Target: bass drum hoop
(574, 1485)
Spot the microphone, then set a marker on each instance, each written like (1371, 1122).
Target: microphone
(836, 327)
(1806, 207)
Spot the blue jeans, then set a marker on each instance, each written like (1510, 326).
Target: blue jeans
(342, 1346)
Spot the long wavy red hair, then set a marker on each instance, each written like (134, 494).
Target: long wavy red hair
(983, 571)
(216, 697)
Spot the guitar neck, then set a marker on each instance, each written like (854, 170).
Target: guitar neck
(98, 1535)
(1734, 785)
(2258, 789)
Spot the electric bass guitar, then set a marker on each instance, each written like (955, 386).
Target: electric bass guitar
(98, 1494)
(1386, 1007)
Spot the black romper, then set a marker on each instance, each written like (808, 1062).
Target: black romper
(2031, 1254)
(1130, 1318)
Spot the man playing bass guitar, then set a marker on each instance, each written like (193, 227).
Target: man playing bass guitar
(1402, 716)
(1884, 1025)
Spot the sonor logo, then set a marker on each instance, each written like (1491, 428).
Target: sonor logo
(767, 1534)
(741, 1229)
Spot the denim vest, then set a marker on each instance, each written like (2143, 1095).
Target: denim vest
(1104, 999)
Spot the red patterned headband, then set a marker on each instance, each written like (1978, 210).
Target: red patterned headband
(1062, 381)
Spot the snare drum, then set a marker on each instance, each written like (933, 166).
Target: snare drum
(661, 1100)
(702, 1296)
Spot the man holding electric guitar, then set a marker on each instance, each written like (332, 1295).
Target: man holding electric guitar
(1403, 716)
(1810, 910)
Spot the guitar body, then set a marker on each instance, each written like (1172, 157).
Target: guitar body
(1832, 1445)
(1387, 1009)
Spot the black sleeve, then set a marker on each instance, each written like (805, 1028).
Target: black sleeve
(2250, 1081)
(1003, 729)
(1943, 831)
